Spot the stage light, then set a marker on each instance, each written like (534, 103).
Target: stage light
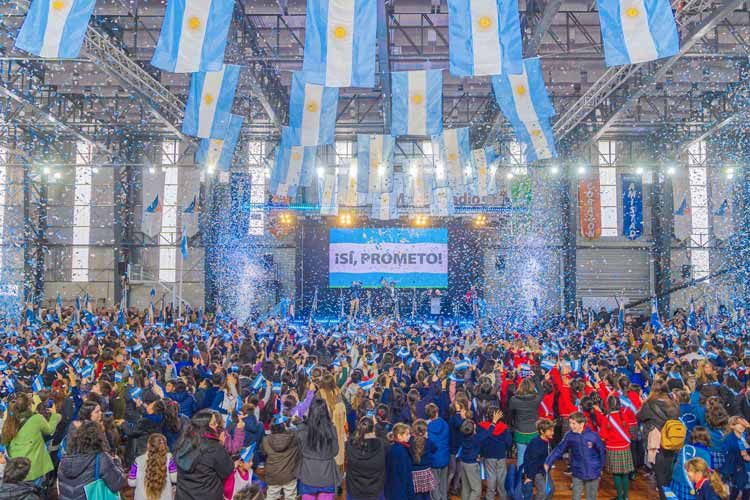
(45, 170)
(581, 169)
(381, 170)
(321, 172)
(95, 170)
(509, 175)
(730, 172)
(554, 170)
(671, 170)
(639, 170)
(420, 220)
(480, 220)
(57, 175)
(151, 170)
(286, 218)
(210, 168)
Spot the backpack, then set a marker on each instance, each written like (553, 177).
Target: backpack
(673, 435)
(515, 487)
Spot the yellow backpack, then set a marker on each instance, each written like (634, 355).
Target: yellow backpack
(673, 435)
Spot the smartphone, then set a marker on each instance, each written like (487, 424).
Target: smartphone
(107, 414)
(50, 403)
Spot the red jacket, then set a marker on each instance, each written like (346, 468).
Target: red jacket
(547, 406)
(566, 405)
(608, 430)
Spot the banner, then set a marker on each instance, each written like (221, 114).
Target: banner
(589, 202)
(412, 258)
(632, 206)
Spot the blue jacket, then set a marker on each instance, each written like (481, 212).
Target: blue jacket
(689, 451)
(735, 468)
(186, 401)
(706, 492)
(537, 452)
(469, 449)
(398, 481)
(438, 433)
(587, 454)
(454, 425)
(496, 440)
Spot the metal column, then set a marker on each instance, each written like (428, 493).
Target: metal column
(569, 230)
(740, 242)
(662, 227)
(124, 208)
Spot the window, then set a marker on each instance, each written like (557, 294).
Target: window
(699, 234)
(343, 151)
(168, 235)
(4, 156)
(82, 213)
(258, 172)
(608, 188)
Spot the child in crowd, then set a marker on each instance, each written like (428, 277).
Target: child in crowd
(707, 483)
(536, 455)
(154, 473)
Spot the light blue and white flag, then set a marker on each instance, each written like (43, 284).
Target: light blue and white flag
(441, 204)
(348, 194)
(55, 29)
(417, 102)
(375, 163)
(692, 322)
(484, 169)
(538, 138)
(312, 112)
(340, 42)
(636, 31)
(523, 97)
(484, 37)
(58, 307)
(289, 164)
(184, 245)
(219, 152)
(655, 321)
(209, 105)
(193, 35)
(327, 187)
(152, 197)
(418, 186)
(37, 385)
(384, 206)
(191, 216)
(455, 155)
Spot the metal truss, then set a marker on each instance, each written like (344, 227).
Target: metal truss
(34, 234)
(615, 77)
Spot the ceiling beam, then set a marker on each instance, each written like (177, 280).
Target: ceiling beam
(703, 27)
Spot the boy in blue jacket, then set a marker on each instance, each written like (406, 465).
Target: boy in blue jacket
(468, 455)
(438, 433)
(494, 450)
(536, 453)
(587, 457)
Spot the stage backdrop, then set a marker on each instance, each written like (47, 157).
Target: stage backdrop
(411, 258)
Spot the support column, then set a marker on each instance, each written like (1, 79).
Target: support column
(35, 233)
(384, 62)
(662, 228)
(215, 222)
(740, 241)
(124, 208)
(569, 233)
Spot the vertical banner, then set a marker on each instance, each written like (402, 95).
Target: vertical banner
(590, 205)
(632, 206)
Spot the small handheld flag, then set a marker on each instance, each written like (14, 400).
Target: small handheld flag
(135, 392)
(366, 385)
(37, 385)
(247, 453)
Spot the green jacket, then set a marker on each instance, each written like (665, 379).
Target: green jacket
(29, 443)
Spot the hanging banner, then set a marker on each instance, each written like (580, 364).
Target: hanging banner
(632, 206)
(589, 202)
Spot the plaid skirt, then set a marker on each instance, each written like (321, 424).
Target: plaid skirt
(620, 461)
(681, 490)
(424, 481)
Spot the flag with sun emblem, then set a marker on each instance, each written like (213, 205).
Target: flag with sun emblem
(340, 42)
(484, 37)
(524, 101)
(312, 112)
(417, 100)
(193, 35)
(293, 169)
(218, 153)
(636, 31)
(207, 113)
(455, 157)
(55, 28)
(375, 163)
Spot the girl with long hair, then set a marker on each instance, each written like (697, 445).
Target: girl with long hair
(399, 483)
(23, 434)
(421, 449)
(614, 427)
(707, 482)
(319, 473)
(365, 462)
(330, 392)
(154, 473)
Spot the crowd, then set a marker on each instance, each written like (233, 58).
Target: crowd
(200, 407)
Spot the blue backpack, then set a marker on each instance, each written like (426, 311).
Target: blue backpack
(515, 486)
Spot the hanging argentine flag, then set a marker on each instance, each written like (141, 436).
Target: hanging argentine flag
(441, 204)
(523, 97)
(538, 139)
(692, 317)
(184, 245)
(375, 163)
(218, 152)
(340, 42)
(348, 194)
(55, 29)
(207, 112)
(312, 112)
(484, 37)
(191, 216)
(327, 185)
(419, 186)
(417, 102)
(193, 35)
(384, 206)
(655, 321)
(484, 169)
(455, 154)
(636, 31)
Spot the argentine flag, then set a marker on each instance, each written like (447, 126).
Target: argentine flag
(419, 187)
(375, 163)
(523, 97)
(340, 42)
(417, 102)
(655, 321)
(636, 31)
(538, 138)
(312, 112)
(290, 165)
(484, 170)
(384, 206)
(348, 194)
(328, 197)
(692, 317)
(441, 204)
(55, 29)
(484, 37)
(219, 152)
(193, 35)
(210, 101)
(455, 154)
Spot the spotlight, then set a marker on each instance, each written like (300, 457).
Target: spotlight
(581, 169)
(57, 175)
(346, 219)
(321, 172)
(151, 170)
(671, 170)
(509, 175)
(554, 170)
(95, 170)
(420, 220)
(480, 220)
(639, 170)
(286, 218)
(467, 171)
(46, 170)
(730, 172)
(210, 168)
